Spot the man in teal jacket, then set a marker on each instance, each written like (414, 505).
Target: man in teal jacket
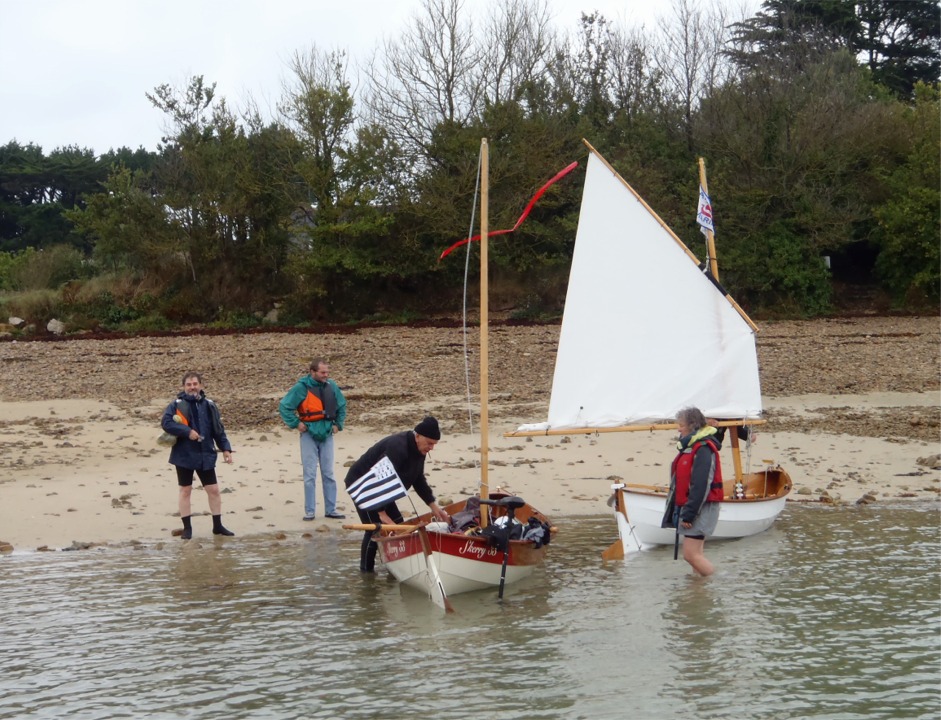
(316, 408)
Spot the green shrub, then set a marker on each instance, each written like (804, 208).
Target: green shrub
(7, 263)
(237, 319)
(45, 269)
(148, 323)
(185, 305)
(37, 307)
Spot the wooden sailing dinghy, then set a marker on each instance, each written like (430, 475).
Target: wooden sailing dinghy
(427, 555)
(647, 330)
(462, 562)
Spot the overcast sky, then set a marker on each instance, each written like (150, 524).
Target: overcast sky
(74, 72)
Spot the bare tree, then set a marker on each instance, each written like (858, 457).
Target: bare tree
(428, 76)
(518, 45)
(689, 57)
(319, 105)
(605, 71)
(634, 80)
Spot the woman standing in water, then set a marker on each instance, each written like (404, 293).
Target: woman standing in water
(696, 485)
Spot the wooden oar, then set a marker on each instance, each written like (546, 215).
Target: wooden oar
(380, 526)
(438, 595)
(616, 550)
(647, 488)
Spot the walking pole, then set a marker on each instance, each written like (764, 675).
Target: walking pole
(676, 538)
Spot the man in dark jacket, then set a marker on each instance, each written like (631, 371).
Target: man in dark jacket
(406, 451)
(195, 422)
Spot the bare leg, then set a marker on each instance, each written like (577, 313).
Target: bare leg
(215, 499)
(186, 492)
(693, 554)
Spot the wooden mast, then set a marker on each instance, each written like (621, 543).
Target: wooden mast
(710, 235)
(484, 320)
(714, 269)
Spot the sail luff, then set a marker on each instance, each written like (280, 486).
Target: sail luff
(653, 213)
(714, 269)
(644, 332)
(669, 231)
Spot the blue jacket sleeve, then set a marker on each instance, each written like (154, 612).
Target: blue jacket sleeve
(218, 431)
(172, 426)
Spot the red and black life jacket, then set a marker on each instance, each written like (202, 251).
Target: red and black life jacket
(319, 404)
(682, 470)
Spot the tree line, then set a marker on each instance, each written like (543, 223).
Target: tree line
(818, 120)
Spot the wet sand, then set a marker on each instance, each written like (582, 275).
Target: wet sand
(852, 405)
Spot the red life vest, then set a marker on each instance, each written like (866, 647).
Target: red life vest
(682, 470)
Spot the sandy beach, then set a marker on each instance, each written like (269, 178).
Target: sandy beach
(852, 406)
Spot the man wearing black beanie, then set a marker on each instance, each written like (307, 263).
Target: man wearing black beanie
(406, 451)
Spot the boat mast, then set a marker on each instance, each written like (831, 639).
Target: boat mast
(710, 235)
(714, 269)
(484, 320)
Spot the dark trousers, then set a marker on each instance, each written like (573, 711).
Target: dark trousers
(369, 548)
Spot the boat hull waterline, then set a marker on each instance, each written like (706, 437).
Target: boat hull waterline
(465, 562)
(765, 496)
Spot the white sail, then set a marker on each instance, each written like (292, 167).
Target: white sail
(644, 333)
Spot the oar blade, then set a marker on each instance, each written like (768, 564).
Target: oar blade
(614, 552)
(436, 588)
(435, 585)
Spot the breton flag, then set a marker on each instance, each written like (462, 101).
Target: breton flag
(704, 213)
(379, 486)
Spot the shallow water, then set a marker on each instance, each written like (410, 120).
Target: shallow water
(833, 613)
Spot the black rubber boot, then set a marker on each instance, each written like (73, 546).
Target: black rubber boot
(217, 528)
(187, 533)
(367, 562)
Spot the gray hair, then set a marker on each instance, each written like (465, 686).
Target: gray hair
(692, 417)
(317, 362)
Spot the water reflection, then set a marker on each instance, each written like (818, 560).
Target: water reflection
(831, 614)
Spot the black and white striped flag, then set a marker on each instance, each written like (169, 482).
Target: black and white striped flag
(377, 487)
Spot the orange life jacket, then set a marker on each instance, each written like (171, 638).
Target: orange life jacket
(314, 407)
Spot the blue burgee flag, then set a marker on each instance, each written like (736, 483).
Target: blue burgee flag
(704, 212)
(379, 486)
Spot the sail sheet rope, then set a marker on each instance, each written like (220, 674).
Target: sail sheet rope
(467, 259)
